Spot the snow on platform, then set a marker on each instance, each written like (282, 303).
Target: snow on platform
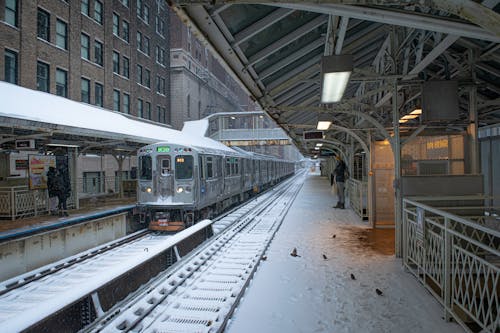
(313, 294)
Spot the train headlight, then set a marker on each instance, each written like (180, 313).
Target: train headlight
(149, 189)
(180, 189)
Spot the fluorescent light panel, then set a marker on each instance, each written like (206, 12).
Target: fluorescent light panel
(323, 125)
(334, 85)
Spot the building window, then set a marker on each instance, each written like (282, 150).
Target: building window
(147, 78)
(126, 103)
(42, 77)
(125, 31)
(126, 67)
(11, 12)
(139, 108)
(125, 2)
(160, 55)
(116, 100)
(116, 62)
(99, 93)
(146, 14)
(160, 85)
(10, 66)
(43, 25)
(98, 11)
(146, 45)
(116, 25)
(85, 91)
(160, 26)
(62, 34)
(85, 41)
(139, 40)
(85, 7)
(139, 8)
(148, 110)
(98, 58)
(61, 82)
(139, 74)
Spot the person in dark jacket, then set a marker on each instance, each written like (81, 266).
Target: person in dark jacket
(52, 190)
(340, 175)
(63, 192)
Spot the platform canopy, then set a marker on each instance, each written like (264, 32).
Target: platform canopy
(54, 121)
(274, 49)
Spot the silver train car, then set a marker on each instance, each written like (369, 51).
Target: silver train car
(180, 184)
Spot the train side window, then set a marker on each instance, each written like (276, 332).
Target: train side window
(219, 166)
(210, 171)
(183, 167)
(145, 167)
(202, 174)
(228, 167)
(165, 166)
(236, 166)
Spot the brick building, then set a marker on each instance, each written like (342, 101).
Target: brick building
(109, 53)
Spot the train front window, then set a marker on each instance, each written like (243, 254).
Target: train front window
(165, 166)
(145, 167)
(183, 167)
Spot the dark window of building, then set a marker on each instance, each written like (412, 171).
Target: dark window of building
(85, 7)
(125, 2)
(62, 34)
(116, 62)
(147, 78)
(139, 108)
(85, 89)
(160, 26)
(98, 93)
(98, 58)
(85, 41)
(126, 103)
(139, 40)
(159, 113)
(42, 77)
(126, 67)
(116, 25)
(43, 25)
(125, 31)
(139, 8)
(148, 110)
(146, 45)
(139, 74)
(98, 11)
(146, 14)
(116, 100)
(11, 12)
(10, 66)
(61, 82)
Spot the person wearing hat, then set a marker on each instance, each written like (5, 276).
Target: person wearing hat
(52, 190)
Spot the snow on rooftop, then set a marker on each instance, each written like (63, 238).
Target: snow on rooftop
(23, 103)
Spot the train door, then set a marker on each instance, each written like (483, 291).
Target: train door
(203, 180)
(165, 176)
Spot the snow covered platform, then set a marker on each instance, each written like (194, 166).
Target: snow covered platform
(315, 292)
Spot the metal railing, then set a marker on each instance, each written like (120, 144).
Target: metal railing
(19, 201)
(357, 191)
(457, 260)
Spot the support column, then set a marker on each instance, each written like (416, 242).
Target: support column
(396, 149)
(371, 194)
(472, 131)
(74, 176)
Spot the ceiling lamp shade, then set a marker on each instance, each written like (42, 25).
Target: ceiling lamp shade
(323, 125)
(335, 73)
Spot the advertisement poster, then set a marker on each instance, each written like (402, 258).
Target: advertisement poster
(38, 167)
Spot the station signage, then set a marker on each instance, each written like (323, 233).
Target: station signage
(313, 135)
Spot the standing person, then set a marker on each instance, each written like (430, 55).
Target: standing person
(339, 172)
(52, 190)
(64, 190)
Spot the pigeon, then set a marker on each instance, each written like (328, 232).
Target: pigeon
(378, 291)
(294, 253)
(264, 258)
(353, 277)
(334, 235)
(324, 257)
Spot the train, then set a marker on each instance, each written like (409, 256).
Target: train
(179, 184)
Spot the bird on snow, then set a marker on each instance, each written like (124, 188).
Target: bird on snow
(294, 253)
(264, 258)
(334, 235)
(378, 291)
(324, 257)
(353, 277)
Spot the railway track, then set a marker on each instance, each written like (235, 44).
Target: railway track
(85, 282)
(201, 294)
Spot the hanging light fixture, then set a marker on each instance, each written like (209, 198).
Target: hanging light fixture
(335, 73)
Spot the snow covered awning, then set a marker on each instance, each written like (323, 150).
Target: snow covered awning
(27, 113)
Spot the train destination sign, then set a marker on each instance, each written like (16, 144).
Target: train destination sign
(163, 149)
